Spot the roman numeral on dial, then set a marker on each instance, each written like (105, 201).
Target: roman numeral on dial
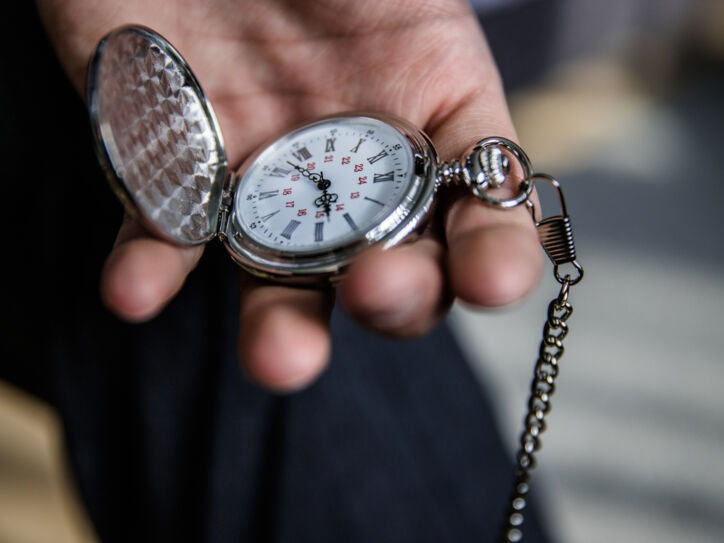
(268, 194)
(374, 201)
(289, 229)
(269, 216)
(378, 156)
(356, 147)
(302, 154)
(329, 146)
(350, 221)
(318, 231)
(279, 172)
(382, 177)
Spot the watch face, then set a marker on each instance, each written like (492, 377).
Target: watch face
(326, 187)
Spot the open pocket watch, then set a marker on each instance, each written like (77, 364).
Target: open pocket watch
(303, 207)
(300, 209)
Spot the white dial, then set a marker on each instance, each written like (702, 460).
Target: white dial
(325, 185)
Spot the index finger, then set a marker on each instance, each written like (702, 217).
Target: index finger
(142, 272)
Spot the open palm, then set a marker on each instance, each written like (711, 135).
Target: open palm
(267, 66)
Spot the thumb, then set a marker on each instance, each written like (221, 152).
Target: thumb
(493, 254)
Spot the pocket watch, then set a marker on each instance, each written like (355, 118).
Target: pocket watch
(302, 207)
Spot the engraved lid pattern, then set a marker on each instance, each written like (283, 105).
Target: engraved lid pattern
(159, 134)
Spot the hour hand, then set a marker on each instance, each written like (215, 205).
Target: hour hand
(325, 201)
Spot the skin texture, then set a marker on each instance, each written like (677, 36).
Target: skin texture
(267, 66)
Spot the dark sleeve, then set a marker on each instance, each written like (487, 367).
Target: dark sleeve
(57, 216)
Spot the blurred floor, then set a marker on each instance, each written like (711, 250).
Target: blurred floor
(37, 500)
(637, 433)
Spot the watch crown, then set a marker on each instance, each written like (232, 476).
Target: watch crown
(453, 173)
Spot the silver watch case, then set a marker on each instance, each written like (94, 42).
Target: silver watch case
(161, 146)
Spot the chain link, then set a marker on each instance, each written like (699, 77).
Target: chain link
(542, 388)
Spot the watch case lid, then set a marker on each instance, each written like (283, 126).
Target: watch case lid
(156, 135)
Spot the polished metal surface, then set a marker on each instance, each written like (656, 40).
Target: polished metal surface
(159, 140)
(543, 386)
(556, 234)
(156, 134)
(495, 165)
(487, 167)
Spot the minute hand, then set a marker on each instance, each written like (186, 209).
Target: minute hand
(316, 178)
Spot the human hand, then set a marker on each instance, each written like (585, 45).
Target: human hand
(267, 66)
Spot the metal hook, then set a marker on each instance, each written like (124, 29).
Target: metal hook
(556, 233)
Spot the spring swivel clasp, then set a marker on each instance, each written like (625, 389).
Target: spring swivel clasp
(556, 234)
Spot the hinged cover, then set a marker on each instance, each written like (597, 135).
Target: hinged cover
(156, 134)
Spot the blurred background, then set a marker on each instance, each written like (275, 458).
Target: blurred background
(629, 117)
(622, 101)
